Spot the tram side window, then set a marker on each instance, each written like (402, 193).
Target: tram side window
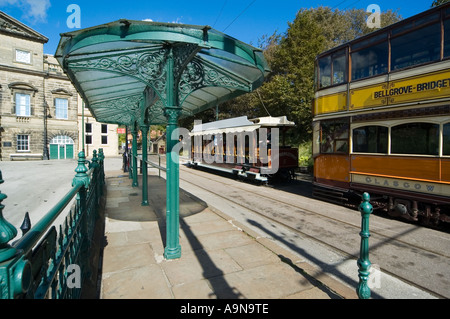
(370, 61)
(415, 138)
(447, 38)
(339, 69)
(370, 139)
(325, 72)
(446, 141)
(333, 69)
(334, 136)
(416, 47)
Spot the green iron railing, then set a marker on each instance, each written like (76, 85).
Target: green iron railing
(50, 264)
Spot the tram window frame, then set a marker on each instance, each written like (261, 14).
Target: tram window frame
(401, 58)
(326, 69)
(378, 139)
(446, 44)
(379, 67)
(332, 141)
(403, 133)
(446, 139)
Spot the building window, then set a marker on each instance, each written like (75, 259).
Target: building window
(104, 134)
(23, 107)
(23, 56)
(61, 106)
(88, 136)
(23, 143)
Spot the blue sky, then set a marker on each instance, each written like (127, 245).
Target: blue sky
(246, 20)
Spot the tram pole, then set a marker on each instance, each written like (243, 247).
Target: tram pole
(365, 208)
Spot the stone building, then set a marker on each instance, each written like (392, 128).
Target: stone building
(40, 110)
(97, 135)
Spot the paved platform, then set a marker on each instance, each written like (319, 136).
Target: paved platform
(220, 257)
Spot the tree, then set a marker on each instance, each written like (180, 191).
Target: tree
(289, 89)
(437, 3)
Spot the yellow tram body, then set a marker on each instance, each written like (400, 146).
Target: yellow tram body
(381, 118)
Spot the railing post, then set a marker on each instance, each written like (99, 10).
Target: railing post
(101, 157)
(15, 272)
(364, 264)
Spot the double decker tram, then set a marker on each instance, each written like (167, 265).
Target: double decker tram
(381, 119)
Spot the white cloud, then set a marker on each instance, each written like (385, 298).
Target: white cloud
(33, 10)
(149, 20)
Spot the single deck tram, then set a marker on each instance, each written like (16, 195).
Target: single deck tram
(249, 149)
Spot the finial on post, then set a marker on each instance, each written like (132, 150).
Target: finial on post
(81, 171)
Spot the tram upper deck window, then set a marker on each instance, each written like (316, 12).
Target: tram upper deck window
(325, 72)
(447, 37)
(370, 57)
(334, 136)
(415, 138)
(370, 139)
(333, 69)
(446, 139)
(417, 46)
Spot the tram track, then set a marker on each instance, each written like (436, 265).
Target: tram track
(280, 220)
(305, 210)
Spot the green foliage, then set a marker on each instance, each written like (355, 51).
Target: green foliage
(289, 89)
(305, 154)
(437, 3)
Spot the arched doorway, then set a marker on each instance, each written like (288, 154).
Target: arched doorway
(61, 147)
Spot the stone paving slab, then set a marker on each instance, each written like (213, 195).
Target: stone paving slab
(219, 259)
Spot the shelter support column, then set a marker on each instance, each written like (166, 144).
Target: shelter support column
(144, 130)
(133, 155)
(173, 248)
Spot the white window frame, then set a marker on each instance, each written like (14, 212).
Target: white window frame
(88, 133)
(18, 58)
(23, 109)
(20, 137)
(61, 109)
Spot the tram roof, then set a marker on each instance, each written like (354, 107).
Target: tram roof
(239, 124)
(130, 71)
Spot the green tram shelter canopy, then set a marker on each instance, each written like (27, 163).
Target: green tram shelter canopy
(140, 73)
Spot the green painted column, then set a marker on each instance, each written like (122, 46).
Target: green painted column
(144, 130)
(172, 113)
(364, 264)
(133, 155)
(173, 248)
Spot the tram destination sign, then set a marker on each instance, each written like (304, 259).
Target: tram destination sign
(420, 87)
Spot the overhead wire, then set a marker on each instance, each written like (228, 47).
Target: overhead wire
(242, 12)
(220, 13)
